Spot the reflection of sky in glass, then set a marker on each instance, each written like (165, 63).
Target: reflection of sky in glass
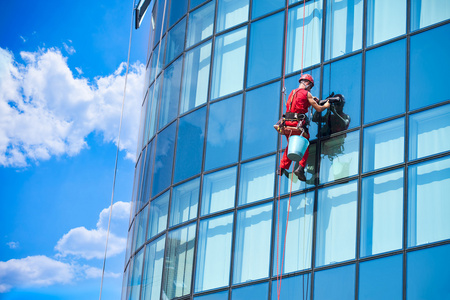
(219, 190)
(293, 287)
(157, 220)
(257, 291)
(162, 170)
(154, 256)
(386, 19)
(257, 178)
(335, 284)
(184, 202)
(428, 12)
(231, 13)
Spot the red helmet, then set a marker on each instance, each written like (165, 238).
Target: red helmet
(307, 77)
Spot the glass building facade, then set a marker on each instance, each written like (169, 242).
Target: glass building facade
(209, 214)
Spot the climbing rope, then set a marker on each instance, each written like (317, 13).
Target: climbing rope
(117, 152)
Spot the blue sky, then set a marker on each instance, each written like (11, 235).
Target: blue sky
(61, 86)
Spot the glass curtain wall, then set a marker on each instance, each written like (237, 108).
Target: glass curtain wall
(211, 220)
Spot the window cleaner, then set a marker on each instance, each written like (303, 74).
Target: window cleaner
(296, 122)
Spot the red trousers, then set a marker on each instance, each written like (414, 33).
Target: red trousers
(285, 162)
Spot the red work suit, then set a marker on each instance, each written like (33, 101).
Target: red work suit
(297, 103)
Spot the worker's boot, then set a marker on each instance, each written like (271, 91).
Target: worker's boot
(300, 172)
(282, 171)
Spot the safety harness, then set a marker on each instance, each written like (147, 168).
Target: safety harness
(302, 119)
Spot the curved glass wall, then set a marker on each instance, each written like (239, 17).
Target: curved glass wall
(210, 218)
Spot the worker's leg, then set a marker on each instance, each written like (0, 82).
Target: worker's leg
(300, 171)
(285, 162)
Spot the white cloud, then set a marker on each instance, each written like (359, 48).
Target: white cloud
(69, 49)
(45, 111)
(42, 271)
(90, 243)
(13, 245)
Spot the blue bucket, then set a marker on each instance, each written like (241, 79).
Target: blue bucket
(297, 147)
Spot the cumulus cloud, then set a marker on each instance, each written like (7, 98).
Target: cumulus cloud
(90, 243)
(45, 111)
(42, 271)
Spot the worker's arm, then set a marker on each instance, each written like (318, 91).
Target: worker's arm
(317, 106)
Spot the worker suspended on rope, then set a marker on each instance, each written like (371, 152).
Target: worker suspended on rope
(299, 101)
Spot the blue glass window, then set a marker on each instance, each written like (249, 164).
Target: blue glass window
(292, 288)
(429, 132)
(428, 12)
(196, 77)
(385, 82)
(154, 257)
(382, 213)
(191, 137)
(146, 176)
(344, 27)
(136, 277)
(201, 23)
(335, 284)
(381, 278)
(231, 13)
(177, 9)
(214, 253)
(385, 20)
(216, 296)
(339, 157)
(429, 62)
(336, 224)
(162, 170)
(219, 189)
(384, 145)
(260, 8)
(252, 248)
(310, 172)
(428, 274)
(144, 122)
(298, 238)
(224, 127)
(161, 19)
(257, 291)
(179, 262)
(140, 228)
(184, 202)
(175, 41)
(157, 220)
(428, 202)
(261, 112)
(157, 60)
(170, 93)
(257, 180)
(344, 77)
(155, 101)
(229, 63)
(311, 41)
(260, 67)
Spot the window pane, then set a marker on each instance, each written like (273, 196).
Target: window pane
(175, 41)
(429, 62)
(170, 93)
(135, 286)
(162, 171)
(157, 220)
(177, 9)
(310, 172)
(266, 40)
(214, 253)
(298, 243)
(344, 77)
(381, 278)
(201, 23)
(257, 291)
(222, 142)
(195, 3)
(386, 68)
(428, 273)
(216, 296)
(292, 288)
(336, 224)
(384, 145)
(184, 202)
(140, 228)
(155, 90)
(161, 19)
(178, 262)
(261, 7)
(386, 19)
(231, 13)
(335, 284)
(382, 213)
(147, 176)
(428, 202)
(219, 191)
(252, 248)
(339, 157)
(259, 116)
(428, 12)
(229, 63)
(196, 77)
(191, 137)
(311, 41)
(344, 27)
(154, 256)
(157, 60)
(429, 132)
(257, 180)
